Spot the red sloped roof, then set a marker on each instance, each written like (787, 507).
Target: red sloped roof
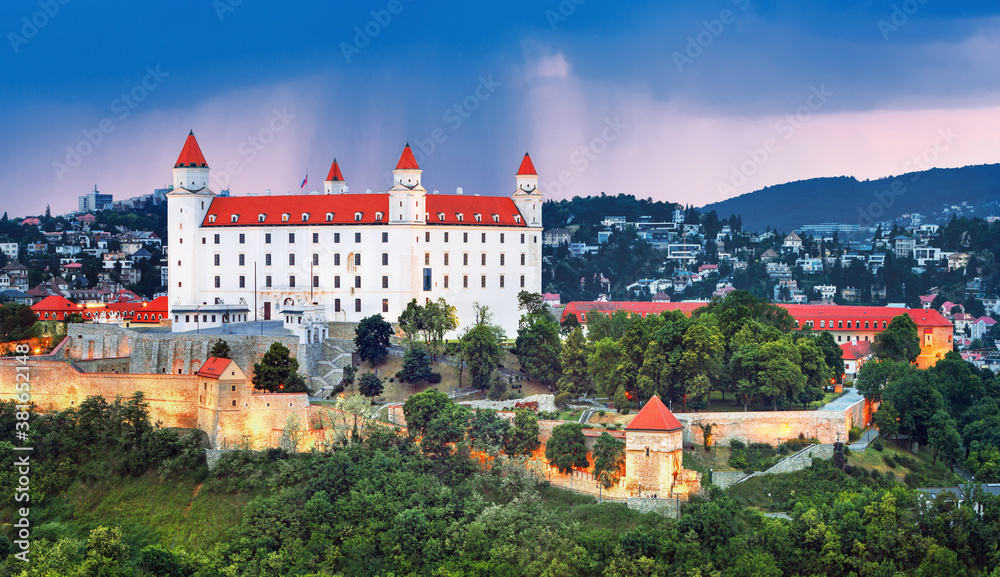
(53, 303)
(642, 308)
(335, 173)
(406, 160)
(655, 416)
(855, 351)
(921, 317)
(444, 209)
(344, 207)
(191, 154)
(527, 167)
(213, 368)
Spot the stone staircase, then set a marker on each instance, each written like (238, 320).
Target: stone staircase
(331, 367)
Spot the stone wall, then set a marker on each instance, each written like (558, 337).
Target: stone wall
(55, 385)
(104, 365)
(667, 507)
(769, 426)
(724, 479)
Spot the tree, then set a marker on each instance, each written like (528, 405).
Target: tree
(603, 366)
(416, 365)
(371, 337)
(567, 447)
(349, 372)
(498, 386)
(487, 431)
(942, 433)
(537, 347)
(701, 361)
(522, 437)
(575, 378)
(569, 324)
(220, 350)
(447, 428)
(531, 303)
(887, 420)
(916, 400)
(430, 321)
(609, 458)
(420, 409)
(74, 318)
(370, 385)
(875, 375)
(815, 369)
(481, 347)
(277, 372)
(899, 341)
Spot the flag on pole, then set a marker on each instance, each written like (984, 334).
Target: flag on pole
(305, 180)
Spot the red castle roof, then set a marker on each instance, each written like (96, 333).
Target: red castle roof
(655, 416)
(191, 155)
(335, 173)
(527, 167)
(59, 307)
(441, 209)
(855, 351)
(406, 160)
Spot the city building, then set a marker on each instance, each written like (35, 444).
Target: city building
(94, 201)
(355, 255)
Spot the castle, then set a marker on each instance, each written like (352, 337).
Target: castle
(346, 255)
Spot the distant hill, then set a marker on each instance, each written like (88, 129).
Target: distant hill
(850, 201)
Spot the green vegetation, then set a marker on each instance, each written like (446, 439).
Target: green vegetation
(278, 372)
(371, 337)
(220, 350)
(566, 449)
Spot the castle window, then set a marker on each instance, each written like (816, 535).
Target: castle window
(336, 305)
(305, 217)
(261, 217)
(357, 282)
(267, 238)
(501, 281)
(243, 238)
(501, 259)
(336, 281)
(329, 217)
(218, 282)
(378, 215)
(357, 259)
(336, 238)
(465, 237)
(440, 216)
(478, 217)
(291, 259)
(483, 239)
(496, 218)
(285, 216)
(822, 324)
(445, 281)
(501, 238)
(482, 259)
(465, 259)
(465, 281)
(522, 259)
(267, 281)
(211, 218)
(522, 281)
(445, 259)
(357, 305)
(517, 218)
(315, 238)
(385, 282)
(316, 281)
(243, 259)
(216, 239)
(482, 282)
(267, 259)
(315, 259)
(460, 216)
(866, 324)
(215, 258)
(291, 281)
(243, 282)
(234, 218)
(234, 400)
(291, 238)
(522, 238)
(427, 258)
(357, 237)
(647, 451)
(357, 216)
(385, 305)
(427, 236)
(840, 324)
(385, 259)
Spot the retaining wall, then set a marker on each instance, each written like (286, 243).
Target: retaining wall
(769, 426)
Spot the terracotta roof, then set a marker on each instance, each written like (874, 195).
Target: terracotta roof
(527, 167)
(406, 160)
(191, 155)
(855, 351)
(655, 416)
(213, 368)
(987, 321)
(441, 209)
(335, 173)
(642, 308)
(927, 298)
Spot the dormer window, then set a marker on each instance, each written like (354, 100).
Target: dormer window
(478, 217)
(378, 215)
(305, 217)
(496, 218)
(440, 216)
(459, 216)
(285, 216)
(211, 218)
(234, 218)
(329, 217)
(517, 218)
(357, 216)
(261, 217)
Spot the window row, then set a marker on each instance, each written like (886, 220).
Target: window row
(217, 259)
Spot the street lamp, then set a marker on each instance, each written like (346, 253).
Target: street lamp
(768, 502)
(600, 487)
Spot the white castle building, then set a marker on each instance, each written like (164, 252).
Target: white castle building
(246, 258)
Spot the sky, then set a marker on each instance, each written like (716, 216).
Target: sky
(688, 102)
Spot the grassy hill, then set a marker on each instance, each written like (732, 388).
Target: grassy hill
(850, 201)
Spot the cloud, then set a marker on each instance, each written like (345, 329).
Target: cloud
(554, 66)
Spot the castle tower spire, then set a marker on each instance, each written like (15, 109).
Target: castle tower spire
(335, 183)
(191, 169)
(527, 196)
(407, 196)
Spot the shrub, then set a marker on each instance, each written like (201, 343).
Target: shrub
(876, 475)
(877, 445)
(890, 476)
(889, 461)
(392, 379)
(602, 412)
(563, 399)
(854, 434)
(338, 389)
(434, 379)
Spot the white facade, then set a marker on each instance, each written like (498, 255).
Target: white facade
(10, 249)
(353, 255)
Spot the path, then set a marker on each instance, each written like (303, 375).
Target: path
(850, 397)
(871, 433)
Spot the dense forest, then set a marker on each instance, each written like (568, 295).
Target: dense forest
(379, 503)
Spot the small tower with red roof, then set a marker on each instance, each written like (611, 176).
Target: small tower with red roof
(407, 197)
(654, 447)
(187, 205)
(335, 183)
(191, 168)
(527, 197)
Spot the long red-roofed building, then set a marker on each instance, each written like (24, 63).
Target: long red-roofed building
(144, 313)
(846, 323)
(346, 254)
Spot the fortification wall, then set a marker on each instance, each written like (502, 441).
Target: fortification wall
(55, 385)
(104, 365)
(770, 426)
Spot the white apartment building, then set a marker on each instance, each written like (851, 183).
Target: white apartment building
(248, 258)
(10, 249)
